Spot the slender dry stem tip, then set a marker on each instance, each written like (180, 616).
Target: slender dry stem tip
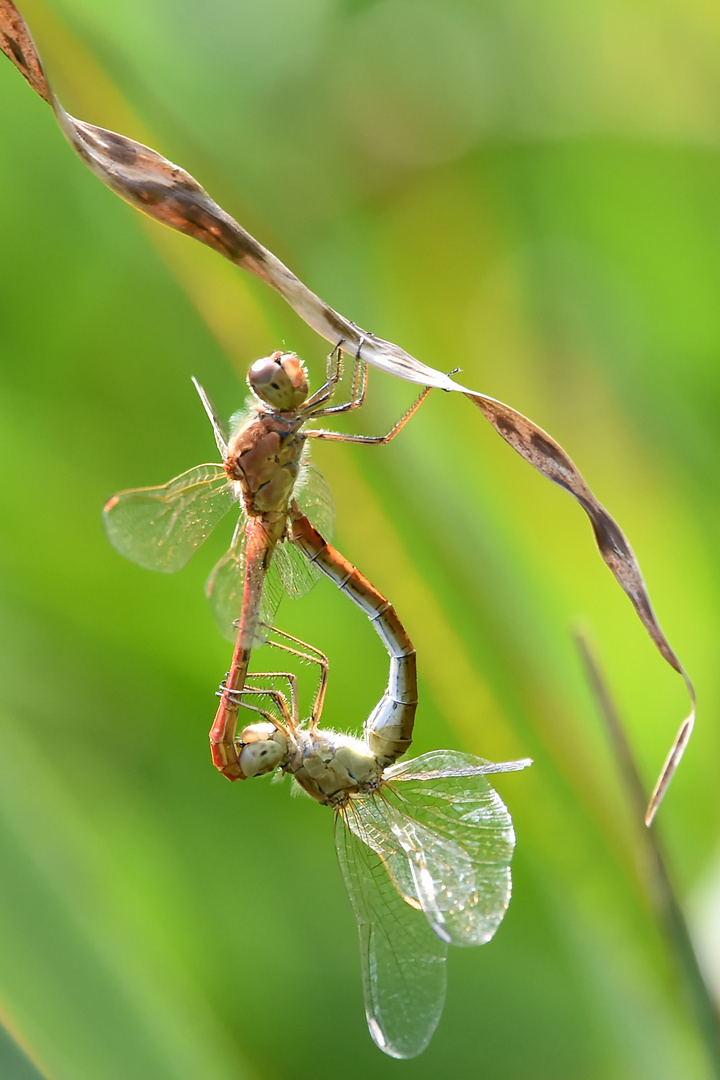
(668, 770)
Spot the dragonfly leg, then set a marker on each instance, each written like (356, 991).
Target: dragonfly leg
(334, 365)
(357, 394)
(372, 440)
(360, 378)
(314, 656)
(288, 723)
(333, 373)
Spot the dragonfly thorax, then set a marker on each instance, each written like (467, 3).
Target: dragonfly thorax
(332, 767)
(264, 457)
(279, 381)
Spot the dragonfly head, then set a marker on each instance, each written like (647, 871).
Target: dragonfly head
(279, 381)
(262, 747)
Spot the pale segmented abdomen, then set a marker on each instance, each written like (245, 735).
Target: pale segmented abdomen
(388, 730)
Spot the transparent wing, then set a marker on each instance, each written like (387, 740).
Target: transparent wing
(160, 527)
(313, 496)
(217, 426)
(224, 589)
(458, 838)
(403, 962)
(443, 763)
(297, 574)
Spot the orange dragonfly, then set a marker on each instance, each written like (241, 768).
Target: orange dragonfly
(264, 469)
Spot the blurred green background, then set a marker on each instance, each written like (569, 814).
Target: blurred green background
(528, 191)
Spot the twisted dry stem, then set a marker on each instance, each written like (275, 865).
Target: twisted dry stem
(167, 193)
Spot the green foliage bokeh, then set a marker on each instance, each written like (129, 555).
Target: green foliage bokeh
(528, 192)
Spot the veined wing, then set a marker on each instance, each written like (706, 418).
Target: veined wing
(217, 426)
(458, 838)
(439, 764)
(296, 573)
(160, 527)
(224, 589)
(313, 495)
(403, 962)
(314, 498)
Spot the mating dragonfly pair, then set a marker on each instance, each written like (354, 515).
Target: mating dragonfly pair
(432, 854)
(424, 845)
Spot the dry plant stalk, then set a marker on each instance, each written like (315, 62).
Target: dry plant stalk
(167, 193)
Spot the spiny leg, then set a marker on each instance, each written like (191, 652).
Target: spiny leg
(288, 725)
(310, 654)
(372, 440)
(360, 379)
(358, 389)
(333, 373)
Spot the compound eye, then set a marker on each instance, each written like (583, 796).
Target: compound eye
(264, 372)
(261, 757)
(279, 380)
